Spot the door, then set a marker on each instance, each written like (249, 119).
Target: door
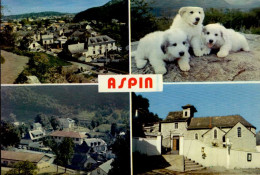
(175, 144)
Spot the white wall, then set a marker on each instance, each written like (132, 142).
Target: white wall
(148, 146)
(168, 129)
(219, 156)
(238, 159)
(214, 156)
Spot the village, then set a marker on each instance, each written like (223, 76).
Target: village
(87, 52)
(91, 155)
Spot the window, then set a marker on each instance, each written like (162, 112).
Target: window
(176, 125)
(238, 132)
(186, 113)
(249, 157)
(93, 51)
(215, 134)
(77, 139)
(196, 136)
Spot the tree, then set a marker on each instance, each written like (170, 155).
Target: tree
(42, 119)
(10, 134)
(141, 106)
(121, 148)
(64, 152)
(114, 129)
(142, 20)
(54, 123)
(23, 168)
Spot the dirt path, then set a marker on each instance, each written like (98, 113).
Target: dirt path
(12, 67)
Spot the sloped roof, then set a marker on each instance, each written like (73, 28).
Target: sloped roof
(21, 156)
(176, 116)
(99, 40)
(70, 134)
(219, 121)
(106, 166)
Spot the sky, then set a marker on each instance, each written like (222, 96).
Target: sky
(13, 7)
(209, 100)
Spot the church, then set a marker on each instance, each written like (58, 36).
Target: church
(212, 131)
(222, 141)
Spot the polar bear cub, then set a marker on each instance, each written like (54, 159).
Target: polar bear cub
(161, 46)
(217, 36)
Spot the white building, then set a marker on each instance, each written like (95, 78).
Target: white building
(77, 137)
(34, 46)
(214, 131)
(47, 39)
(66, 123)
(99, 46)
(224, 141)
(97, 145)
(103, 169)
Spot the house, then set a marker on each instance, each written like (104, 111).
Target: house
(8, 158)
(77, 137)
(82, 162)
(76, 35)
(37, 126)
(66, 123)
(77, 48)
(103, 169)
(181, 125)
(47, 39)
(34, 46)
(96, 144)
(99, 45)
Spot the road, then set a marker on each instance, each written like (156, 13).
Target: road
(12, 67)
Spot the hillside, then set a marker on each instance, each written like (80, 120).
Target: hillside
(34, 15)
(62, 101)
(170, 8)
(114, 9)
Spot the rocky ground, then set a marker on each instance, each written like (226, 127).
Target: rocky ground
(239, 66)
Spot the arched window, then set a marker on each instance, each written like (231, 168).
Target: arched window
(238, 132)
(196, 136)
(215, 134)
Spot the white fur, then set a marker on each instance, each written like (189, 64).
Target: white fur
(186, 21)
(217, 36)
(153, 45)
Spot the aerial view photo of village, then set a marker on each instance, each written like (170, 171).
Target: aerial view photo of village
(63, 41)
(64, 130)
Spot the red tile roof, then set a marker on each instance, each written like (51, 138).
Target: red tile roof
(70, 134)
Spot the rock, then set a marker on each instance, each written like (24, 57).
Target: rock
(32, 80)
(237, 66)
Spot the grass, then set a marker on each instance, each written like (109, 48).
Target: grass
(41, 65)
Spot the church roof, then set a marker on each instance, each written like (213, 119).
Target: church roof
(219, 121)
(176, 116)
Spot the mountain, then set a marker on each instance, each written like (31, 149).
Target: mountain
(114, 9)
(27, 101)
(35, 15)
(170, 7)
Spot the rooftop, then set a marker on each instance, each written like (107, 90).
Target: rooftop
(219, 121)
(70, 134)
(21, 156)
(99, 40)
